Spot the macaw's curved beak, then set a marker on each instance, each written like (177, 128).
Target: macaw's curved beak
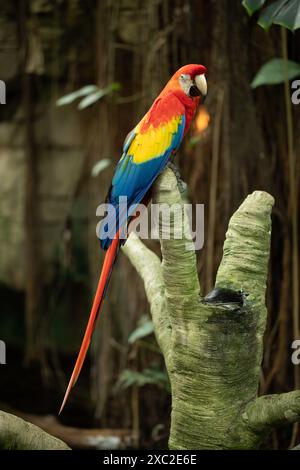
(199, 88)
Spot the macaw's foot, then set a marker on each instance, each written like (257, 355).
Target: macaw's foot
(181, 184)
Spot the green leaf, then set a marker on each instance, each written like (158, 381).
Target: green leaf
(100, 166)
(115, 86)
(150, 376)
(70, 97)
(252, 5)
(289, 15)
(194, 140)
(92, 98)
(282, 12)
(145, 328)
(100, 93)
(272, 73)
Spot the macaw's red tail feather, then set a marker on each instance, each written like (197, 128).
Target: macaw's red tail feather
(109, 260)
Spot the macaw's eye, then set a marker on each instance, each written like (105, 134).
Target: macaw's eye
(183, 76)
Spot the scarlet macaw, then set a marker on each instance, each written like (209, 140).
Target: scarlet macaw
(146, 152)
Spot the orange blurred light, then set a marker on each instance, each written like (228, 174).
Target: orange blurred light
(202, 120)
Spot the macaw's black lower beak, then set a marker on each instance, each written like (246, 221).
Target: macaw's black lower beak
(194, 91)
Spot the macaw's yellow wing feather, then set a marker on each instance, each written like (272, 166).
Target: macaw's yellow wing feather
(155, 141)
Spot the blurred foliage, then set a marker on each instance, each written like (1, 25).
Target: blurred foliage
(253, 5)
(90, 94)
(273, 72)
(145, 328)
(153, 374)
(285, 13)
(100, 166)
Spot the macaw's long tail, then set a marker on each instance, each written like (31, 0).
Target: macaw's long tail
(108, 263)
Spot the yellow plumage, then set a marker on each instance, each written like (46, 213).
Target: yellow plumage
(154, 142)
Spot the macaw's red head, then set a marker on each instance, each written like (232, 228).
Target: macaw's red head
(191, 80)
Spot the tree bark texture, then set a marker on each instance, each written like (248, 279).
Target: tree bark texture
(213, 352)
(17, 434)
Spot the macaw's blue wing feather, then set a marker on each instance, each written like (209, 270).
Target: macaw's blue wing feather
(145, 154)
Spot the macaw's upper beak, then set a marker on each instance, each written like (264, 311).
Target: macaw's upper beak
(199, 88)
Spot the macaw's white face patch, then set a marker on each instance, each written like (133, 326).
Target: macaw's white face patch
(185, 82)
(192, 88)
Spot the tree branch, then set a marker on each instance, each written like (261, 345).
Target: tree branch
(179, 259)
(246, 248)
(247, 245)
(172, 285)
(148, 266)
(244, 265)
(296, 447)
(17, 434)
(272, 411)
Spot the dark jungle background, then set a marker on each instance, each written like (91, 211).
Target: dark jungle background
(56, 162)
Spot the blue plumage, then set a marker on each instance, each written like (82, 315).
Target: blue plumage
(133, 180)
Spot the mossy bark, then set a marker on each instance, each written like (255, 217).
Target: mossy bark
(213, 351)
(17, 434)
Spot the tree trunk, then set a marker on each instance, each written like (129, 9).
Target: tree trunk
(34, 271)
(213, 346)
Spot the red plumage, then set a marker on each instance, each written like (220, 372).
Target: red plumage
(170, 109)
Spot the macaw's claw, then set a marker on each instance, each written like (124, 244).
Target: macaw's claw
(181, 184)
